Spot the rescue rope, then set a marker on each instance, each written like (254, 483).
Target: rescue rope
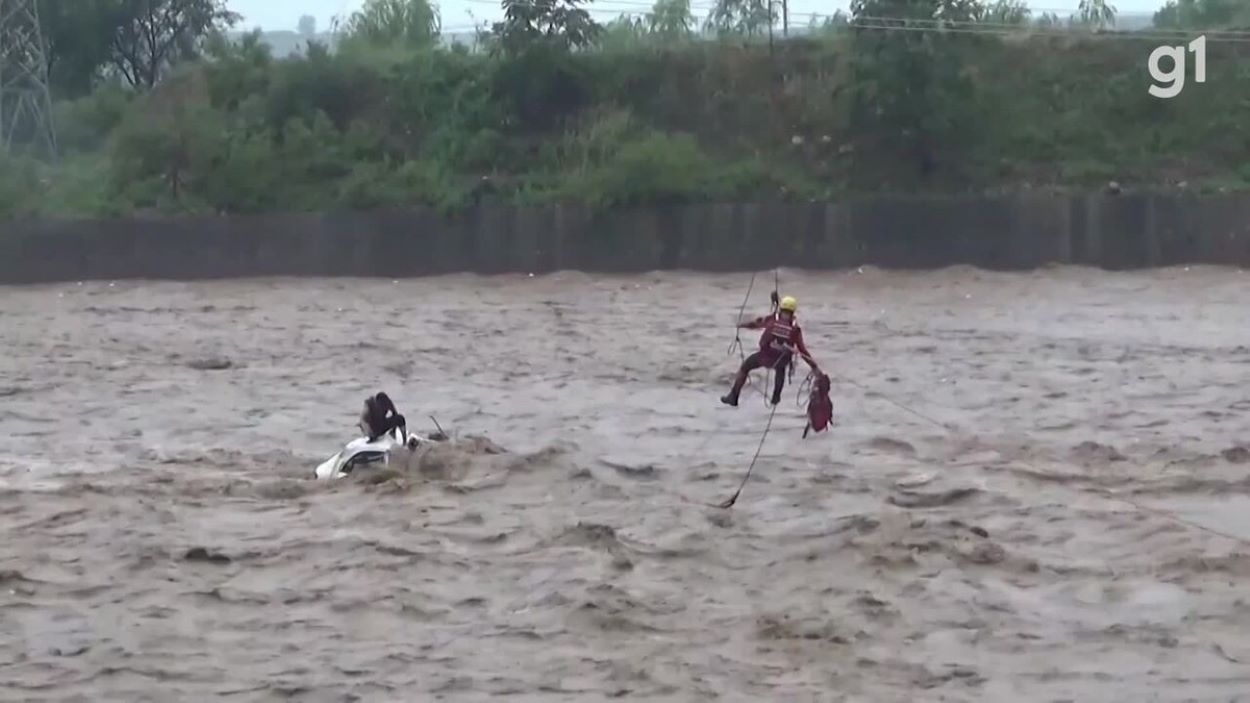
(768, 372)
(734, 498)
(895, 403)
(737, 341)
(737, 330)
(799, 401)
(1107, 493)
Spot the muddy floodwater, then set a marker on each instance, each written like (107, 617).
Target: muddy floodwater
(1034, 489)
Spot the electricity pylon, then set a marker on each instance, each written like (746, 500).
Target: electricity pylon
(25, 100)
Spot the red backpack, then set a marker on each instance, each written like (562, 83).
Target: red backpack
(819, 406)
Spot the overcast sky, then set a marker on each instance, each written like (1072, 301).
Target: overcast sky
(284, 14)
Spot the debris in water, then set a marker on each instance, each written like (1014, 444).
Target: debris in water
(1219, 649)
(1093, 452)
(1236, 455)
(202, 554)
(210, 363)
(933, 500)
(915, 480)
(644, 472)
(987, 553)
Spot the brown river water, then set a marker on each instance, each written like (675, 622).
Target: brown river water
(1034, 489)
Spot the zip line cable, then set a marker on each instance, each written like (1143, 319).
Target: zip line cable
(976, 27)
(1106, 493)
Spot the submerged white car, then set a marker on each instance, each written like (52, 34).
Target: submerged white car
(361, 452)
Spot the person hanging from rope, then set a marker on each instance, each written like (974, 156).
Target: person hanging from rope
(782, 337)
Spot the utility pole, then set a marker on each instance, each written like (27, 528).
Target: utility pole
(25, 100)
(785, 18)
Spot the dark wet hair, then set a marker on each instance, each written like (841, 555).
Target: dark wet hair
(384, 403)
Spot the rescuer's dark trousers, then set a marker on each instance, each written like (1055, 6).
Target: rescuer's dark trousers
(779, 364)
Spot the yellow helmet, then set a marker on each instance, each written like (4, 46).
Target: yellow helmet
(789, 303)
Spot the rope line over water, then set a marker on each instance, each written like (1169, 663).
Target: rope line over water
(1106, 493)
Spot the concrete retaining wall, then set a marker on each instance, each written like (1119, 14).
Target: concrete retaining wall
(1016, 232)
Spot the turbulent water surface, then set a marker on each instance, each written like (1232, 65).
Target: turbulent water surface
(1021, 497)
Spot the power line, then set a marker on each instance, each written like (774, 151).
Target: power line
(1001, 28)
(975, 27)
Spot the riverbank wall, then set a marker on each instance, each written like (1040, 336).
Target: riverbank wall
(1019, 232)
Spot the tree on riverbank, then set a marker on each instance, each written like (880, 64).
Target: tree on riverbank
(94, 40)
(933, 95)
(1203, 14)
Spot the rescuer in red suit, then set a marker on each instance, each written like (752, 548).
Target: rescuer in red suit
(782, 337)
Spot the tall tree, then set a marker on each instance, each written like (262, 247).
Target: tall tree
(745, 18)
(911, 99)
(409, 22)
(540, 82)
(827, 26)
(79, 37)
(1203, 14)
(1096, 13)
(1013, 12)
(1049, 20)
(307, 25)
(671, 20)
(559, 23)
(624, 32)
(160, 33)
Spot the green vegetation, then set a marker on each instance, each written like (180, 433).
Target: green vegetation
(1203, 14)
(156, 110)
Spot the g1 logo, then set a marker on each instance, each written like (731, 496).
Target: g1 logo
(1170, 84)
